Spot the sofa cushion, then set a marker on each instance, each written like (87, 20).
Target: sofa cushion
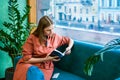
(63, 75)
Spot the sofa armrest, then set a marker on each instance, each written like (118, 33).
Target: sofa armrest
(16, 59)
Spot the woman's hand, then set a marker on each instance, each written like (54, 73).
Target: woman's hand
(56, 59)
(68, 50)
(53, 58)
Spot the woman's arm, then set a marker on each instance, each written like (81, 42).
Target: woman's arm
(70, 45)
(38, 60)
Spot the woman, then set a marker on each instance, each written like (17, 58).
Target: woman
(37, 49)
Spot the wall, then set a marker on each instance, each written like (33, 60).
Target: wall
(3, 12)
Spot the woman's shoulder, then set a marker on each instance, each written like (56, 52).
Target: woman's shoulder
(55, 35)
(32, 36)
(58, 35)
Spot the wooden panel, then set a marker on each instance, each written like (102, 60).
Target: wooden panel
(32, 16)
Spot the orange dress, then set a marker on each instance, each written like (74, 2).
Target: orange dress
(32, 48)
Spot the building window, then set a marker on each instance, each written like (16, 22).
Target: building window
(102, 3)
(59, 7)
(93, 18)
(65, 9)
(87, 19)
(86, 11)
(69, 10)
(118, 3)
(118, 18)
(109, 18)
(110, 3)
(102, 15)
(75, 9)
(80, 10)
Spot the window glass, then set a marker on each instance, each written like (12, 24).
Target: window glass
(87, 20)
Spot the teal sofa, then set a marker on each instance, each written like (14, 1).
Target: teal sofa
(70, 67)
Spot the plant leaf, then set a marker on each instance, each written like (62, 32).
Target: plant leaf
(92, 60)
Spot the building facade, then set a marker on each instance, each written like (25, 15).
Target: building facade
(76, 10)
(109, 11)
(91, 11)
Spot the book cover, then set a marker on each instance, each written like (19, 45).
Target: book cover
(57, 53)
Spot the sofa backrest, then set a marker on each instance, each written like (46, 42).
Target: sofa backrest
(109, 69)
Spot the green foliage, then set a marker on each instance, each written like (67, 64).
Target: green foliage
(16, 30)
(92, 60)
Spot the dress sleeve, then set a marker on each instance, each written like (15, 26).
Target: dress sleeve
(27, 48)
(62, 40)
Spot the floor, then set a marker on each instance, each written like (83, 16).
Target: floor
(2, 79)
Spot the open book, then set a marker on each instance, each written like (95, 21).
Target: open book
(57, 53)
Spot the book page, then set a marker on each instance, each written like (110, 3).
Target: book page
(56, 75)
(60, 52)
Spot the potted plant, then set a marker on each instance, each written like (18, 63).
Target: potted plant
(92, 60)
(15, 31)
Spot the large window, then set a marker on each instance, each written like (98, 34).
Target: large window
(83, 18)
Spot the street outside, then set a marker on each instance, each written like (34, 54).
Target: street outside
(94, 34)
(113, 27)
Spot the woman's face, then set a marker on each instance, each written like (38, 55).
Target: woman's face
(48, 31)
